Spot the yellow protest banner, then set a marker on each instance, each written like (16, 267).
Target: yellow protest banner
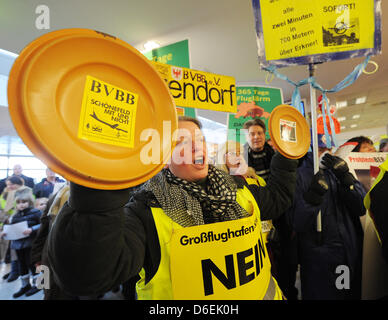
(108, 114)
(308, 27)
(197, 89)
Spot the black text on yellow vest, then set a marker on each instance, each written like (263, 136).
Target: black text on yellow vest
(245, 261)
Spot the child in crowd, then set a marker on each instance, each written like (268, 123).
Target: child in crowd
(25, 211)
(13, 184)
(41, 204)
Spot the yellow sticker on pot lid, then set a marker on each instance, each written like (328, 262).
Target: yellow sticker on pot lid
(108, 114)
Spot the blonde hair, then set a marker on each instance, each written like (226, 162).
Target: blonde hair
(224, 149)
(221, 160)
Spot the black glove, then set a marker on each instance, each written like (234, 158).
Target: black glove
(318, 187)
(340, 168)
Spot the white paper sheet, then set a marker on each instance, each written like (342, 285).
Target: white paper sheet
(15, 231)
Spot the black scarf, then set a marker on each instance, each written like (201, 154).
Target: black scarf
(188, 203)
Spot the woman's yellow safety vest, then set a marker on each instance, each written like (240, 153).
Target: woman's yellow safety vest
(383, 170)
(218, 261)
(266, 225)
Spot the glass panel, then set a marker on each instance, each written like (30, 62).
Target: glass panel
(18, 147)
(3, 173)
(37, 175)
(27, 163)
(4, 142)
(3, 162)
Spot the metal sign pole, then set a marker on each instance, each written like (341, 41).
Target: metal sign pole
(313, 102)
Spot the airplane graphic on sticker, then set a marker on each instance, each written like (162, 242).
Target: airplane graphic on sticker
(108, 114)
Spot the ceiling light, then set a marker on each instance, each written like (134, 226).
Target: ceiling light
(353, 125)
(360, 100)
(149, 45)
(341, 119)
(342, 104)
(356, 116)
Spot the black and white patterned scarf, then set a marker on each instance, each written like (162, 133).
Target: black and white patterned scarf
(189, 204)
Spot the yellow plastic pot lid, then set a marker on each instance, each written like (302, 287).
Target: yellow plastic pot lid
(289, 131)
(92, 108)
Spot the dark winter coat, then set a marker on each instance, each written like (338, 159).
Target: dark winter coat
(29, 182)
(32, 216)
(99, 240)
(45, 188)
(342, 236)
(262, 164)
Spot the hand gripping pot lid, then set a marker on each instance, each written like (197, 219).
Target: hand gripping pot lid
(92, 108)
(289, 131)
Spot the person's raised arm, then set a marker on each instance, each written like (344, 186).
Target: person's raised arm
(276, 197)
(95, 243)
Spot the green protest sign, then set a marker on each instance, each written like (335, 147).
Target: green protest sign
(252, 102)
(176, 54)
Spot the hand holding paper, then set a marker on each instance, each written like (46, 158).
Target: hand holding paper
(15, 231)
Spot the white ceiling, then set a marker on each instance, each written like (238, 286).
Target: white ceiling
(221, 37)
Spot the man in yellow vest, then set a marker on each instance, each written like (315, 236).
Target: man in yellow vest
(191, 232)
(374, 201)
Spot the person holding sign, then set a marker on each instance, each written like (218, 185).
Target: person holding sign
(364, 144)
(330, 261)
(14, 184)
(191, 232)
(25, 212)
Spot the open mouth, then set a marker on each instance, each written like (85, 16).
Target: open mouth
(199, 161)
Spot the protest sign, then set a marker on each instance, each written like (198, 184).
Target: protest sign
(176, 54)
(303, 32)
(198, 89)
(363, 166)
(252, 102)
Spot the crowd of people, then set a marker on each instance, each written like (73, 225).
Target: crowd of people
(21, 200)
(106, 239)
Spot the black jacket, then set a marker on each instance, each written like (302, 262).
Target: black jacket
(99, 239)
(45, 188)
(342, 235)
(32, 217)
(261, 164)
(29, 182)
